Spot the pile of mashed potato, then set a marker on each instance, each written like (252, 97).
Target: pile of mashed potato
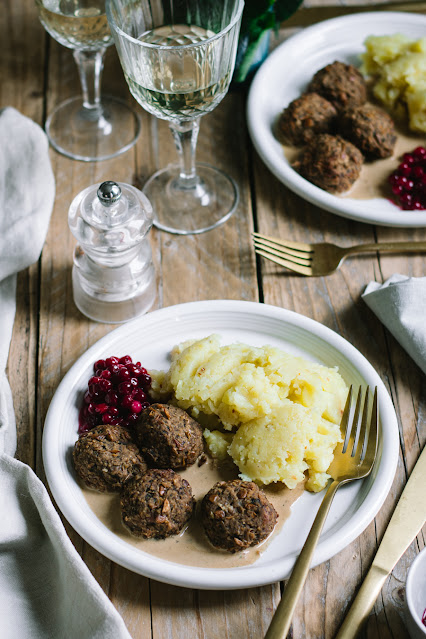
(397, 65)
(276, 415)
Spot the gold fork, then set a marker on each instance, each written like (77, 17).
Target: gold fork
(324, 258)
(353, 459)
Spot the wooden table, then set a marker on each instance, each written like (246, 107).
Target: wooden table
(50, 334)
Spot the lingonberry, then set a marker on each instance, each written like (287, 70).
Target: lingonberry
(408, 181)
(117, 393)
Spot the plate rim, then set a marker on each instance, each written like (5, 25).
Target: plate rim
(294, 181)
(195, 577)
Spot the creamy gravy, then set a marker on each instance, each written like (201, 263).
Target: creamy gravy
(191, 547)
(373, 180)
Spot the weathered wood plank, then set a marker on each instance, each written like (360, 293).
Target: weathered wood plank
(22, 63)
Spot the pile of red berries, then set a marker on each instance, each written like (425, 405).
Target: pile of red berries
(117, 393)
(408, 181)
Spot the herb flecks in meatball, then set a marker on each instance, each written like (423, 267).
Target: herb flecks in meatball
(168, 437)
(106, 457)
(304, 117)
(370, 128)
(342, 84)
(330, 162)
(236, 515)
(158, 504)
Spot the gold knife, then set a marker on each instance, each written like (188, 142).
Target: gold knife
(306, 16)
(407, 520)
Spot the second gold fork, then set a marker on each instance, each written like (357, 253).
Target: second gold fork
(322, 258)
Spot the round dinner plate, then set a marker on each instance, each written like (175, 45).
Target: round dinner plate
(286, 73)
(150, 340)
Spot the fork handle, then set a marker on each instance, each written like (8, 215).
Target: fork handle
(281, 620)
(390, 247)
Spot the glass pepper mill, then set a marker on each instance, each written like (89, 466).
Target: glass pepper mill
(113, 275)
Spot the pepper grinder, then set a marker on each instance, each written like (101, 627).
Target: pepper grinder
(113, 275)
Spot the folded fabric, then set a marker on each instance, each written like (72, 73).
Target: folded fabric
(46, 590)
(28, 191)
(7, 315)
(400, 303)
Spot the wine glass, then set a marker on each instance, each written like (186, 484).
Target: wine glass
(178, 59)
(86, 127)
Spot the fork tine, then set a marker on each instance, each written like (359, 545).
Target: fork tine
(345, 421)
(284, 247)
(367, 443)
(360, 446)
(299, 246)
(295, 258)
(356, 423)
(280, 251)
(374, 424)
(292, 266)
(352, 426)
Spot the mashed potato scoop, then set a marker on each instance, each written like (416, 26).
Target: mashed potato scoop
(276, 415)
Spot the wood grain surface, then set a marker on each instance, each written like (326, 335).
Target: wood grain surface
(50, 333)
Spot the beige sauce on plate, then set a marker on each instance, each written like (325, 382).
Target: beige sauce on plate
(191, 547)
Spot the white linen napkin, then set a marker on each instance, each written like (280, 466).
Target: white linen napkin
(400, 303)
(46, 590)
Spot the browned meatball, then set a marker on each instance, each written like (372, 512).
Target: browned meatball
(236, 515)
(370, 128)
(106, 457)
(342, 84)
(168, 437)
(304, 117)
(157, 504)
(330, 162)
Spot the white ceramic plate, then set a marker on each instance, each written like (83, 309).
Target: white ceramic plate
(286, 73)
(150, 339)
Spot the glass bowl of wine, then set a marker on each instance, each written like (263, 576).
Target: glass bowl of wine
(87, 127)
(178, 59)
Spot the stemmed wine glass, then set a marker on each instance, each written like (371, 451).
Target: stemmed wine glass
(178, 59)
(86, 127)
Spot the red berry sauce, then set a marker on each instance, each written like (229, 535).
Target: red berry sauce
(408, 181)
(117, 393)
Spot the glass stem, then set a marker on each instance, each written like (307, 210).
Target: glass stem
(185, 136)
(90, 65)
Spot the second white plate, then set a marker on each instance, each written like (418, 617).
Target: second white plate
(286, 73)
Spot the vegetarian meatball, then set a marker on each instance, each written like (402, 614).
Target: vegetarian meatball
(330, 162)
(157, 504)
(236, 515)
(306, 116)
(342, 84)
(370, 128)
(106, 457)
(168, 437)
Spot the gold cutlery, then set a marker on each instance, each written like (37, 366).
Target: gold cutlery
(323, 258)
(306, 16)
(406, 522)
(353, 459)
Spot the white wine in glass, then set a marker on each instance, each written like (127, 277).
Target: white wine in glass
(187, 89)
(178, 59)
(87, 127)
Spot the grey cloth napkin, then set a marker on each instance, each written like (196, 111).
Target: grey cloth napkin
(46, 590)
(400, 303)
